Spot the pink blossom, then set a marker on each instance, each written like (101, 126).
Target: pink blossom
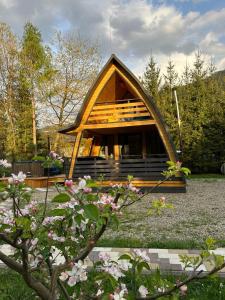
(53, 154)
(69, 183)
(72, 281)
(133, 188)
(87, 190)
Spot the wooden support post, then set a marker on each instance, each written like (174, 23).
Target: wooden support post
(87, 147)
(116, 147)
(144, 146)
(74, 155)
(96, 146)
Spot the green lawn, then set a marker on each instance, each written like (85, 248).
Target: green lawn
(135, 243)
(13, 288)
(167, 244)
(205, 176)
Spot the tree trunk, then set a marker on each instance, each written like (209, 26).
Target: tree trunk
(34, 127)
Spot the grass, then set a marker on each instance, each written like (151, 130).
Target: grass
(206, 176)
(13, 288)
(166, 244)
(134, 243)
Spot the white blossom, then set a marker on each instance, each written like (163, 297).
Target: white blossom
(63, 276)
(4, 163)
(82, 184)
(143, 291)
(142, 254)
(78, 273)
(15, 179)
(124, 264)
(50, 220)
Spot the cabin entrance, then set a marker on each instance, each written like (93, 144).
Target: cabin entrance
(122, 144)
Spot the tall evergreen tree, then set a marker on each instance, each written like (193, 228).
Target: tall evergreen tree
(167, 101)
(152, 79)
(34, 69)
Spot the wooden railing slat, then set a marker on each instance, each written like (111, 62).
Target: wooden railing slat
(117, 117)
(137, 103)
(118, 110)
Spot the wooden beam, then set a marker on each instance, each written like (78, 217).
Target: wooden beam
(74, 155)
(116, 147)
(118, 124)
(119, 115)
(144, 183)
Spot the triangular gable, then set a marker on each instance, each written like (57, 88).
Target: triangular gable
(90, 112)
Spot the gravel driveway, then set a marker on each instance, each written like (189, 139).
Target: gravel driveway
(197, 214)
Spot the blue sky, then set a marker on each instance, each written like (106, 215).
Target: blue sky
(201, 6)
(132, 29)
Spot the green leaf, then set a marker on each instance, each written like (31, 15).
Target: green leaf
(23, 222)
(92, 212)
(57, 212)
(92, 197)
(142, 265)
(125, 256)
(61, 198)
(78, 219)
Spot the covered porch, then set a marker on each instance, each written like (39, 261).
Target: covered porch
(111, 154)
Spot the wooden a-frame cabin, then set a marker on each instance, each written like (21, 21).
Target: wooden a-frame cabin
(119, 132)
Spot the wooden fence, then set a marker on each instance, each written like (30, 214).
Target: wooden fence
(145, 169)
(32, 168)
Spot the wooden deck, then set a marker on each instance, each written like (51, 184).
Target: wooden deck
(40, 182)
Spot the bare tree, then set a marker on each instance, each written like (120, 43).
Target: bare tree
(8, 73)
(75, 63)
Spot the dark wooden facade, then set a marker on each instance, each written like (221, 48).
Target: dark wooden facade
(119, 132)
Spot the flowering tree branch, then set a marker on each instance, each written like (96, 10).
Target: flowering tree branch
(69, 227)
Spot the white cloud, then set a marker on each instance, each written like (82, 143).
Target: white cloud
(130, 28)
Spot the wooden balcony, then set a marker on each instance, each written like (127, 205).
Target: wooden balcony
(122, 111)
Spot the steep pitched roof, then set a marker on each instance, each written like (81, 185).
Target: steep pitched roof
(114, 60)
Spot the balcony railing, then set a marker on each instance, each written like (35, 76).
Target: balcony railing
(123, 110)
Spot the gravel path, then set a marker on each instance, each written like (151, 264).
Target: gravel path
(196, 215)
